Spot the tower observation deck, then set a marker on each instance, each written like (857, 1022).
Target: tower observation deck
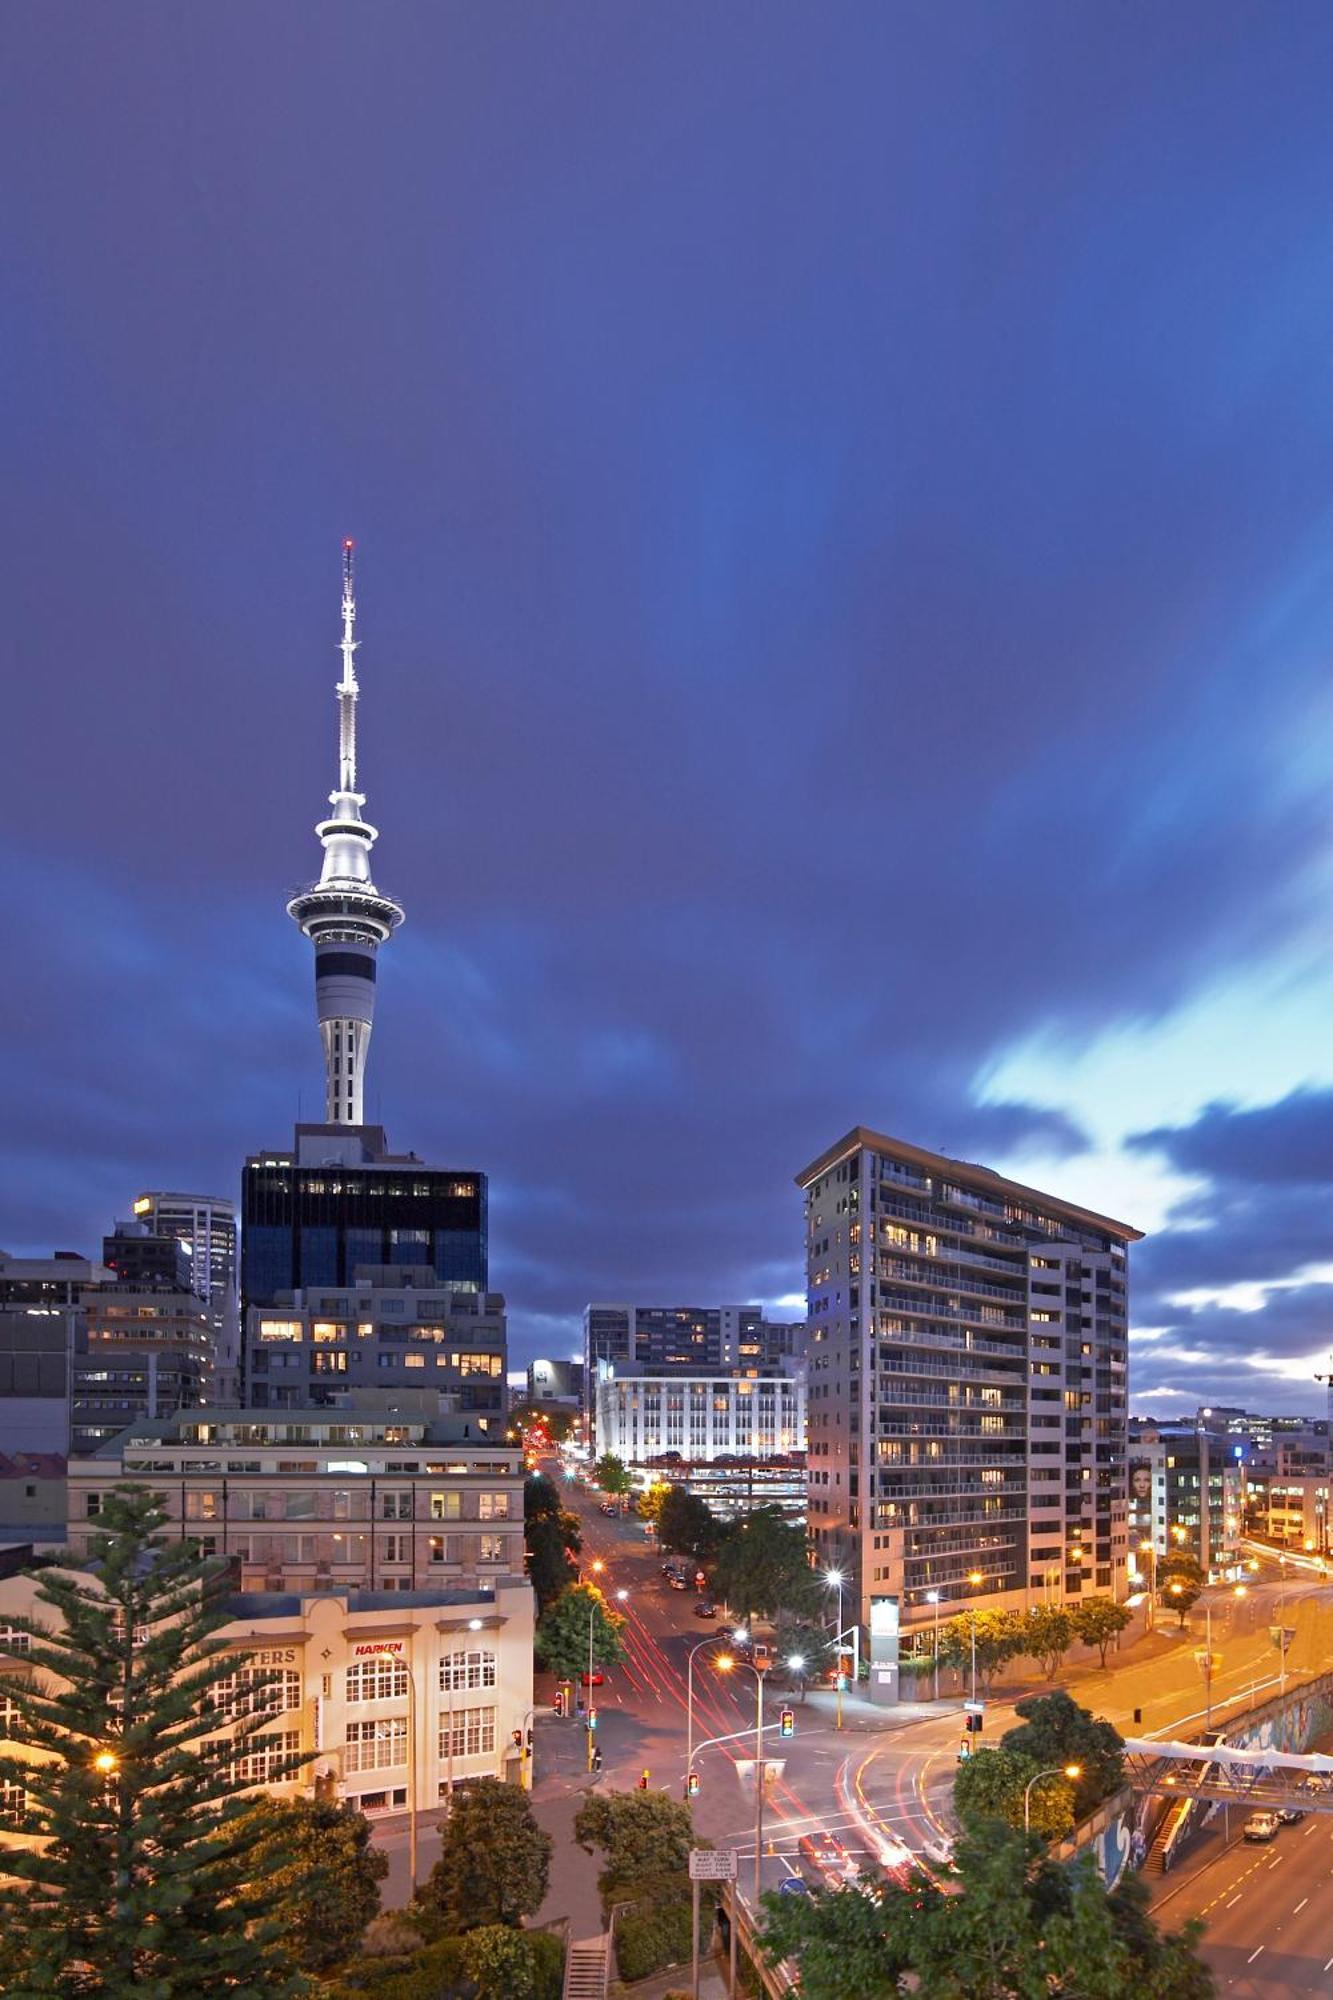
(344, 915)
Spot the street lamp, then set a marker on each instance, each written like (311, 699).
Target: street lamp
(106, 1761)
(713, 1639)
(834, 1579)
(1070, 1771)
(728, 1665)
(933, 1597)
(975, 1578)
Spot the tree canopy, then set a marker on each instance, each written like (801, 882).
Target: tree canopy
(1048, 1633)
(990, 1784)
(1099, 1620)
(553, 1537)
(561, 1642)
(1055, 1731)
(321, 1876)
(763, 1567)
(1180, 1582)
(612, 1475)
(495, 1861)
(145, 1879)
(687, 1524)
(1000, 1637)
(1016, 1927)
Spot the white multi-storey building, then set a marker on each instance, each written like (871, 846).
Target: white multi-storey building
(389, 1698)
(757, 1413)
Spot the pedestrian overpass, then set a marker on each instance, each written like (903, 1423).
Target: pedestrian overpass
(1251, 1778)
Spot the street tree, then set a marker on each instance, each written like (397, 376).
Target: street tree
(552, 1536)
(801, 1639)
(650, 1502)
(763, 1567)
(1055, 1731)
(1048, 1633)
(502, 1963)
(990, 1785)
(1013, 1926)
(495, 1861)
(562, 1638)
(321, 1876)
(999, 1638)
(1099, 1620)
(1180, 1582)
(143, 1880)
(851, 1943)
(642, 1837)
(612, 1475)
(687, 1525)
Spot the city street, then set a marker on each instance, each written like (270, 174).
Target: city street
(1267, 1908)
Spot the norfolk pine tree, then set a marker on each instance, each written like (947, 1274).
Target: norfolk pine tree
(141, 1886)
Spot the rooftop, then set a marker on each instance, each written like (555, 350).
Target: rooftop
(984, 1180)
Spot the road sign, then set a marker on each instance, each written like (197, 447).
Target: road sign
(974, 1708)
(793, 1885)
(712, 1864)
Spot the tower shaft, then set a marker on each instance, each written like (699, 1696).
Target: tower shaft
(344, 915)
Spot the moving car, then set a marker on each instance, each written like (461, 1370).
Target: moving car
(705, 1608)
(677, 1581)
(597, 1679)
(1291, 1815)
(826, 1854)
(1262, 1826)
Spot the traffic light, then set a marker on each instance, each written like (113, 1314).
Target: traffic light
(692, 1785)
(974, 1723)
(643, 1782)
(528, 1749)
(517, 1735)
(787, 1722)
(592, 1718)
(559, 1702)
(964, 1749)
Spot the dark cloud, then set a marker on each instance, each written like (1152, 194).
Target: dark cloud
(1283, 1143)
(822, 519)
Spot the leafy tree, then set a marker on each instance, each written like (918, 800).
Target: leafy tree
(503, 1963)
(495, 1861)
(144, 1882)
(801, 1639)
(1014, 1927)
(641, 1835)
(1055, 1731)
(851, 1943)
(651, 1501)
(553, 1537)
(561, 1642)
(1180, 1582)
(687, 1524)
(321, 1876)
(1098, 1620)
(612, 1475)
(1048, 1633)
(556, 1422)
(1000, 1637)
(990, 1785)
(763, 1567)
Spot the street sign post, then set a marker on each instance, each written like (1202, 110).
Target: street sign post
(709, 1864)
(974, 1708)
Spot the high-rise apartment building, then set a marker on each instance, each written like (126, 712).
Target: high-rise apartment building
(968, 1343)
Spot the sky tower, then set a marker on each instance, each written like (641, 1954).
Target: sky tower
(344, 915)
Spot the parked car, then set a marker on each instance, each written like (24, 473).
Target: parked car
(826, 1854)
(1262, 1826)
(1291, 1815)
(705, 1608)
(677, 1581)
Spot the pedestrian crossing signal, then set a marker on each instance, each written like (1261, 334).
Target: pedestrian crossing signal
(692, 1785)
(559, 1703)
(643, 1782)
(592, 1718)
(787, 1722)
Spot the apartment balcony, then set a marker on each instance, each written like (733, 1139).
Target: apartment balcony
(939, 1309)
(949, 1343)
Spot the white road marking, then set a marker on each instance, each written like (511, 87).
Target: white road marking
(1330, 1964)
(1253, 1955)
(1300, 1906)
(1232, 1904)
